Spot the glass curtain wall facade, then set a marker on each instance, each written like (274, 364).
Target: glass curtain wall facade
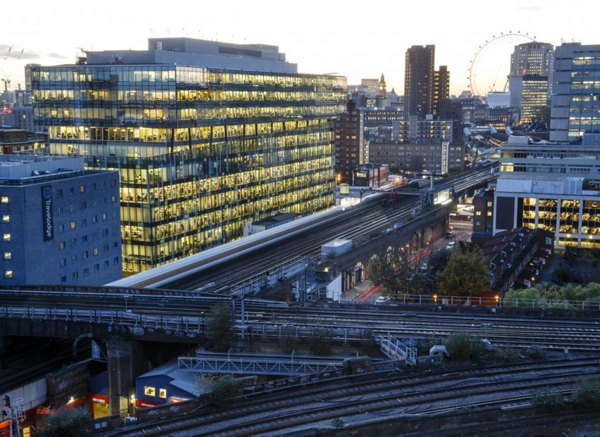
(534, 98)
(200, 152)
(584, 108)
(575, 222)
(576, 92)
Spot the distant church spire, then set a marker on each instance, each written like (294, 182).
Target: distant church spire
(381, 91)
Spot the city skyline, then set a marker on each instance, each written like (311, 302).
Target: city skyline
(355, 39)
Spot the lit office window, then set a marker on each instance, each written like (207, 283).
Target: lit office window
(4, 199)
(7, 255)
(149, 391)
(6, 237)
(5, 218)
(8, 274)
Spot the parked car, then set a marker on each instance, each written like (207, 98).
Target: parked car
(382, 299)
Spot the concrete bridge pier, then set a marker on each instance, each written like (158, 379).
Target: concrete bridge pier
(124, 358)
(3, 344)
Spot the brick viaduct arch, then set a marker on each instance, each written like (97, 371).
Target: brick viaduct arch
(353, 266)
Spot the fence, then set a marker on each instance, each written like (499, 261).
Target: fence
(495, 301)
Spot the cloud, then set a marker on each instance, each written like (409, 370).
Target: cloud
(531, 8)
(10, 52)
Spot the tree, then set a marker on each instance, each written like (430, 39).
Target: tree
(71, 422)
(419, 283)
(220, 327)
(439, 259)
(391, 269)
(466, 274)
(218, 388)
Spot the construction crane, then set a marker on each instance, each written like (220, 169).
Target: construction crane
(6, 81)
(3, 73)
(7, 53)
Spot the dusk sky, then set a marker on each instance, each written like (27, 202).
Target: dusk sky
(358, 39)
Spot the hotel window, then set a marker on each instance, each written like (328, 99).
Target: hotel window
(5, 218)
(6, 237)
(73, 224)
(61, 245)
(162, 392)
(7, 255)
(82, 188)
(149, 391)
(4, 199)
(8, 274)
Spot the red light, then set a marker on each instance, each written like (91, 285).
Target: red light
(7, 111)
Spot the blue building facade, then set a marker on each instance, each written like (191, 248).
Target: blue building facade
(59, 223)
(166, 384)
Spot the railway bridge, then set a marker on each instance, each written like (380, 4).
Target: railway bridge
(410, 237)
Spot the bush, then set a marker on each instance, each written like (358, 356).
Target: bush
(506, 355)
(218, 388)
(320, 342)
(564, 274)
(223, 389)
(375, 234)
(72, 422)
(586, 393)
(536, 352)
(462, 347)
(549, 400)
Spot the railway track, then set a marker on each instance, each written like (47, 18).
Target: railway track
(371, 218)
(267, 320)
(355, 400)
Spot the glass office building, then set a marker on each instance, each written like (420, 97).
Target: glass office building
(576, 92)
(207, 137)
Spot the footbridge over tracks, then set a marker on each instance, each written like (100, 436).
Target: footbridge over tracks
(259, 364)
(398, 350)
